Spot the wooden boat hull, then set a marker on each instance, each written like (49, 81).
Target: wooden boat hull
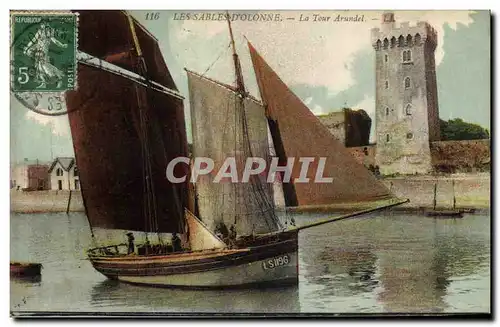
(274, 264)
(445, 213)
(25, 269)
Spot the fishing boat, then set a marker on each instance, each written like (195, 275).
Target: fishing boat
(133, 127)
(25, 269)
(444, 212)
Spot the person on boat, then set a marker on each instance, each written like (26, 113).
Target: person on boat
(176, 243)
(219, 234)
(221, 231)
(232, 236)
(131, 247)
(147, 247)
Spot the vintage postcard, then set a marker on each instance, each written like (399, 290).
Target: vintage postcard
(280, 163)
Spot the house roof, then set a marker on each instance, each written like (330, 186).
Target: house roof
(65, 162)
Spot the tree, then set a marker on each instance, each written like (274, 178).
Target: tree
(457, 129)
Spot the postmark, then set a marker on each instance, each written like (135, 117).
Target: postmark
(46, 103)
(43, 59)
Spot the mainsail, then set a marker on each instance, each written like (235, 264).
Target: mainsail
(125, 131)
(228, 125)
(297, 132)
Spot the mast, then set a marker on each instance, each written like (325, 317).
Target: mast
(453, 190)
(435, 195)
(240, 85)
(150, 198)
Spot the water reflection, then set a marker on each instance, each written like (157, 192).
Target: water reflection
(415, 278)
(398, 263)
(111, 294)
(342, 271)
(24, 289)
(27, 280)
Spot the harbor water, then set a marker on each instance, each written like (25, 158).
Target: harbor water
(386, 262)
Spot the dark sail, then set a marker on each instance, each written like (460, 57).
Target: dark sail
(108, 136)
(298, 133)
(106, 34)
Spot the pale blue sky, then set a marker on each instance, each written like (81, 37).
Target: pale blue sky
(327, 65)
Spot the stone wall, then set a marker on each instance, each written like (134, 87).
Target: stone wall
(358, 125)
(365, 155)
(351, 127)
(470, 190)
(335, 122)
(45, 201)
(461, 156)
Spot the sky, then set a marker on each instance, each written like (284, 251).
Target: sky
(329, 65)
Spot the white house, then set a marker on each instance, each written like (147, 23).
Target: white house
(64, 174)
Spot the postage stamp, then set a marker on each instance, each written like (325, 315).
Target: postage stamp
(43, 51)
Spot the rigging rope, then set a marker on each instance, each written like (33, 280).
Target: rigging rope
(216, 59)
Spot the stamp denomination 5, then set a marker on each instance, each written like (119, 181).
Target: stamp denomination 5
(43, 59)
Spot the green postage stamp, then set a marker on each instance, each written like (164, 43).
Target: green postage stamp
(43, 51)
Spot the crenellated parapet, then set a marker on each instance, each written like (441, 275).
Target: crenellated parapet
(405, 35)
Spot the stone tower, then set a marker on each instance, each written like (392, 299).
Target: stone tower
(407, 114)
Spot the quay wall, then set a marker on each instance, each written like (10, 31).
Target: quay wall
(472, 190)
(45, 201)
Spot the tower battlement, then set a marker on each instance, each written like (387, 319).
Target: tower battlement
(390, 36)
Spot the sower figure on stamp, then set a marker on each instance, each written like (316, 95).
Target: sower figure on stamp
(38, 49)
(131, 247)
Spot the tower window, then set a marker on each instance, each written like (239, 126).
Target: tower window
(407, 56)
(387, 111)
(409, 40)
(407, 83)
(408, 109)
(387, 138)
(386, 84)
(409, 136)
(386, 58)
(393, 42)
(386, 43)
(401, 41)
(418, 38)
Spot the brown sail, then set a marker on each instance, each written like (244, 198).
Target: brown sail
(297, 132)
(106, 34)
(112, 118)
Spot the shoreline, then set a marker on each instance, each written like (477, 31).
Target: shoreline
(471, 192)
